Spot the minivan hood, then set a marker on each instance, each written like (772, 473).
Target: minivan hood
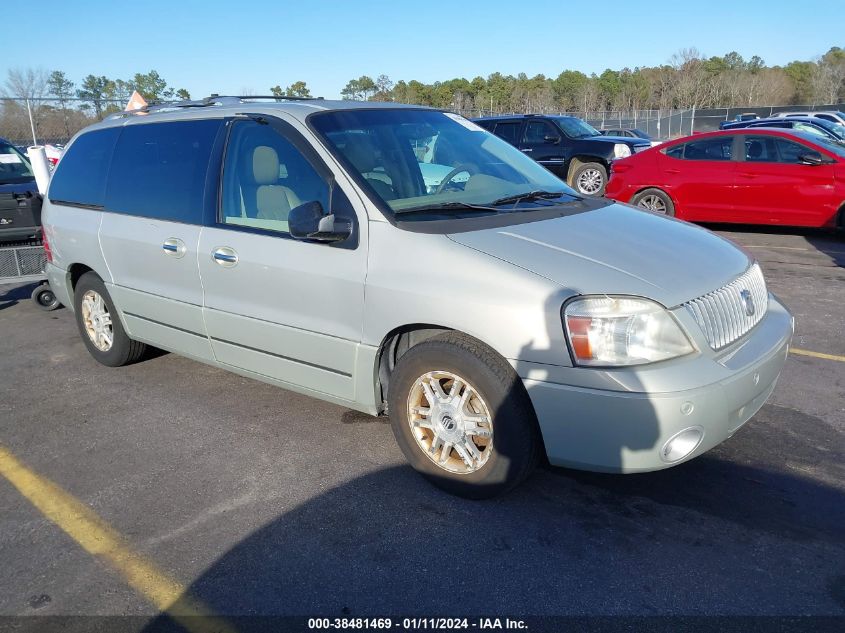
(617, 249)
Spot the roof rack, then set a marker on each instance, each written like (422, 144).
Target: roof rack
(211, 100)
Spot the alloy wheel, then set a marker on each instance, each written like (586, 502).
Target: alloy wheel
(97, 320)
(450, 422)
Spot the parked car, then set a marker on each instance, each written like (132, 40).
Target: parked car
(746, 116)
(629, 133)
(573, 150)
(753, 176)
(20, 204)
(818, 127)
(492, 319)
(834, 116)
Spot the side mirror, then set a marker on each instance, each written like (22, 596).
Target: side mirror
(811, 158)
(554, 140)
(308, 222)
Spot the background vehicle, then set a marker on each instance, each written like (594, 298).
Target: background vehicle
(811, 125)
(571, 149)
(828, 115)
(629, 133)
(20, 204)
(740, 118)
(754, 176)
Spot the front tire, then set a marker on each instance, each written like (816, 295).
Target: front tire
(462, 417)
(100, 326)
(654, 200)
(589, 179)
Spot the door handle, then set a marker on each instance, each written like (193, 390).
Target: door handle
(672, 171)
(526, 149)
(745, 174)
(174, 247)
(225, 256)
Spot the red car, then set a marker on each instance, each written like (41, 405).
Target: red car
(750, 176)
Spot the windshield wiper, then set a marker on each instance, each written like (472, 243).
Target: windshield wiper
(529, 196)
(448, 206)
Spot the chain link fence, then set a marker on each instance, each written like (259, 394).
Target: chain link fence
(669, 123)
(51, 121)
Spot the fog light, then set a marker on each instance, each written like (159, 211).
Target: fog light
(681, 444)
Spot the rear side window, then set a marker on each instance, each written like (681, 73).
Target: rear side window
(159, 169)
(675, 152)
(508, 130)
(81, 175)
(709, 149)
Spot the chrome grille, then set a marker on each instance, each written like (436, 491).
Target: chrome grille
(723, 314)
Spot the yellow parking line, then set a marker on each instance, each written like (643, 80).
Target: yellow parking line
(99, 539)
(806, 352)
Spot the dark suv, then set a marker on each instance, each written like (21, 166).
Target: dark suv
(20, 204)
(570, 148)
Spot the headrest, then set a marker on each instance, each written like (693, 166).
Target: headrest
(361, 153)
(265, 165)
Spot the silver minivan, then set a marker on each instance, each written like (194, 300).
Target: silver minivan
(403, 261)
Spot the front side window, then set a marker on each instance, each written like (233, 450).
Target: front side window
(159, 170)
(264, 177)
(811, 129)
(537, 131)
(465, 165)
(80, 176)
(718, 148)
(14, 166)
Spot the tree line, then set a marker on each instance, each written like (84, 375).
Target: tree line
(687, 80)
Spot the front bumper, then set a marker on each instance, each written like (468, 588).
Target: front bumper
(624, 431)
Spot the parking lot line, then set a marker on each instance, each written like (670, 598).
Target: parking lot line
(806, 352)
(95, 536)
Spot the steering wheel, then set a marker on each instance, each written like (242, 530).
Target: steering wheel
(463, 167)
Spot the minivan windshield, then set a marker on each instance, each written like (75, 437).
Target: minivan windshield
(14, 167)
(426, 160)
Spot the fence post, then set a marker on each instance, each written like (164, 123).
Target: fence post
(31, 122)
(692, 121)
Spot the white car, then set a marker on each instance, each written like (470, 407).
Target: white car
(828, 115)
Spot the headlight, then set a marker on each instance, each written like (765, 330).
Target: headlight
(614, 331)
(620, 150)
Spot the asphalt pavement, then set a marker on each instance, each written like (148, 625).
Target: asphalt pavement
(262, 501)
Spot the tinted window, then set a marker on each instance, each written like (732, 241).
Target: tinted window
(264, 177)
(537, 131)
(81, 174)
(709, 149)
(675, 152)
(509, 131)
(769, 149)
(14, 166)
(159, 170)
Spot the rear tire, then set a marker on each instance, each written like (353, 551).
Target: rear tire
(589, 179)
(462, 417)
(654, 200)
(100, 326)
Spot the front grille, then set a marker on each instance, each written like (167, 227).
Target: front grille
(723, 314)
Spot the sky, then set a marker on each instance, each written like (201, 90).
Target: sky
(235, 47)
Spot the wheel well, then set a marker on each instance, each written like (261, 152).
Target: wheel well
(581, 159)
(394, 345)
(75, 271)
(840, 217)
(660, 189)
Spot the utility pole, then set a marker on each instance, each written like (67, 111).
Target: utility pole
(31, 122)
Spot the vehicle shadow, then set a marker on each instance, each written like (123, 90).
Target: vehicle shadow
(11, 295)
(387, 544)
